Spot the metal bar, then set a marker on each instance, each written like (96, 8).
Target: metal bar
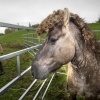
(37, 49)
(31, 53)
(33, 38)
(96, 30)
(10, 55)
(30, 42)
(18, 64)
(39, 40)
(28, 37)
(31, 50)
(61, 73)
(28, 89)
(28, 33)
(28, 45)
(39, 90)
(36, 38)
(7, 86)
(48, 86)
(98, 40)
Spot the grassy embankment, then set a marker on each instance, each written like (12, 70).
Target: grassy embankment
(14, 41)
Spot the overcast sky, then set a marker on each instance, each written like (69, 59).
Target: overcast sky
(34, 11)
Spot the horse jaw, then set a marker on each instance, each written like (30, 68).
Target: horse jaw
(42, 70)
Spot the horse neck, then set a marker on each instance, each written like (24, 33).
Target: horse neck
(86, 67)
(84, 58)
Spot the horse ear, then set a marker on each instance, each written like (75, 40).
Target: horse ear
(66, 17)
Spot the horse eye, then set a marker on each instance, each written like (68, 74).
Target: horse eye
(53, 40)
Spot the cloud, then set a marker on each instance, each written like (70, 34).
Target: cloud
(34, 11)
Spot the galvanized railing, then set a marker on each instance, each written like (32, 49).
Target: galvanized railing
(17, 55)
(31, 46)
(30, 39)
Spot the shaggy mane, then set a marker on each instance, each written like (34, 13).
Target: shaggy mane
(57, 18)
(49, 22)
(87, 34)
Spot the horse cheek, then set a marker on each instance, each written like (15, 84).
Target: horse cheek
(64, 54)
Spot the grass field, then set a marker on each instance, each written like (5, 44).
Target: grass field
(95, 26)
(14, 41)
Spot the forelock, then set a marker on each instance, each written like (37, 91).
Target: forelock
(49, 22)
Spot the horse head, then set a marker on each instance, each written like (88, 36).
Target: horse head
(59, 46)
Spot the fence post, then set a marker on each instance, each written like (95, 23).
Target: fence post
(33, 38)
(18, 64)
(39, 39)
(27, 40)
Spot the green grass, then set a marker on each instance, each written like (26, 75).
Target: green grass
(14, 41)
(14, 36)
(95, 26)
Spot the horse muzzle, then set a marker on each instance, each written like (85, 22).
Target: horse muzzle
(39, 72)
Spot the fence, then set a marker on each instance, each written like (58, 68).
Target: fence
(30, 48)
(29, 41)
(17, 54)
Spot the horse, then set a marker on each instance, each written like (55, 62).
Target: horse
(69, 40)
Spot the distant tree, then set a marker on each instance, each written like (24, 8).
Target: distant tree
(8, 31)
(35, 25)
(98, 20)
(1, 34)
